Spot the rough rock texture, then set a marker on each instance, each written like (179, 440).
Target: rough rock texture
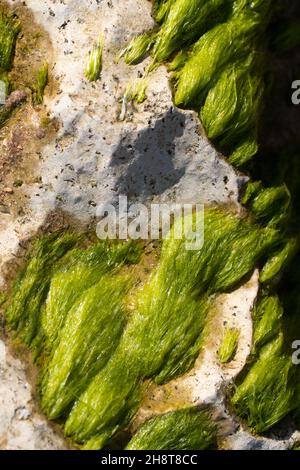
(21, 426)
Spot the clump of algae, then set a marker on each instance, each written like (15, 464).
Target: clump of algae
(269, 387)
(269, 391)
(94, 66)
(229, 345)
(136, 90)
(137, 49)
(9, 30)
(97, 354)
(40, 85)
(186, 429)
(217, 50)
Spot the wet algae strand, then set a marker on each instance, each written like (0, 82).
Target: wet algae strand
(217, 50)
(9, 30)
(70, 305)
(268, 389)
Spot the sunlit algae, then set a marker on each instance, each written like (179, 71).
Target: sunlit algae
(229, 345)
(186, 429)
(269, 388)
(9, 30)
(94, 66)
(70, 304)
(217, 52)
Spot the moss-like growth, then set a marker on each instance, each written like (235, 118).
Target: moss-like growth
(91, 333)
(268, 393)
(217, 52)
(267, 321)
(270, 388)
(187, 429)
(288, 36)
(137, 49)
(40, 84)
(94, 66)
(70, 304)
(163, 337)
(9, 30)
(136, 90)
(229, 345)
(185, 22)
(31, 289)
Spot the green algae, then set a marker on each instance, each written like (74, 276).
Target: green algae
(136, 90)
(267, 317)
(80, 271)
(277, 264)
(217, 50)
(161, 9)
(9, 30)
(163, 337)
(54, 281)
(94, 66)
(30, 290)
(184, 23)
(229, 345)
(268, 392)
(137, 49)
(187, 429)
(240, 90)
(40, 85)
(98, 355)
(88, 338)
(210, 57)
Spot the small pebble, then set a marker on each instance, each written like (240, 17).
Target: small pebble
(8, 190)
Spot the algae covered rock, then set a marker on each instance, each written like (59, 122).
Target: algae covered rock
(118, 331)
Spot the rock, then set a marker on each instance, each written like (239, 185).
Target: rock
(15, 99)
(158, 153)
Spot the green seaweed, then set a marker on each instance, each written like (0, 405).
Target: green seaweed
(187, 429)
(229, 345)
(217, 50)
(185, 22)
(210, 56)
(80, 271)
(277, 264)
(94, 66)
(163, 337)
(70, 305)
(268, 392)
(88, 338)
(240, 90)
(161, 9)
(40, 84)
(137, 49)
(269, 389)
(9, 30)
(136, 90)
(267, 317)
